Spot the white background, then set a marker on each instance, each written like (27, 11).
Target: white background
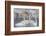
(2, 18)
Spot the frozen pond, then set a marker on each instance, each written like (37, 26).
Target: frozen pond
(26, 17)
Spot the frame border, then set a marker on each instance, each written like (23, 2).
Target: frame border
(8, 16)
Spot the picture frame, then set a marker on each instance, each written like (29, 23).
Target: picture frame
(26, 7)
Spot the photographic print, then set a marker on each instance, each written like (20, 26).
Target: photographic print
(26, 17)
